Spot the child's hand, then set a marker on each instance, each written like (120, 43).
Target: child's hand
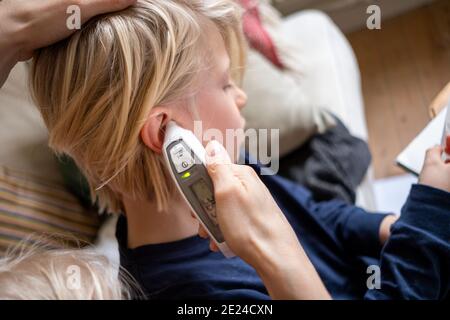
(385, 228)
(435, 172)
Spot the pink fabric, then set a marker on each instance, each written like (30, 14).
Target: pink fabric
(255, 33)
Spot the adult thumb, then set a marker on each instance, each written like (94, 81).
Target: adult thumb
(218, 164)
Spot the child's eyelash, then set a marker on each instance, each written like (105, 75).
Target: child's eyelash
(228, 86)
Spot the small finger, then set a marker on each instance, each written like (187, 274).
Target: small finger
(434, 154)
(202, 232)
(213, 246)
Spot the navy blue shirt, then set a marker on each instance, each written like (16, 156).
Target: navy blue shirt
(341, 241)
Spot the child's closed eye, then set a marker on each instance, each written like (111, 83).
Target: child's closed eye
(228, 86)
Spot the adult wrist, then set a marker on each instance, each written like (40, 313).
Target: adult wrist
(8, 60)
(294, 278)
(289, 274)
(10, 44)
(10, 31)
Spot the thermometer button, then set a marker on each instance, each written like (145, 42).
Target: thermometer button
(181, 158)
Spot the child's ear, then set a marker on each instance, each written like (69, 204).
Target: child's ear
(152, 133)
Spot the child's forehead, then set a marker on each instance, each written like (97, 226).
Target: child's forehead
(218, 52)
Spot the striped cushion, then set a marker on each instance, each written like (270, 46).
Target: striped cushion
(29, 205)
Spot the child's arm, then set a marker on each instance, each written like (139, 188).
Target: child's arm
(257, 231)
(365, 234)
(415, 262)
(354, 229)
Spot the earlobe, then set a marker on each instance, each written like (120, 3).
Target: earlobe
(152, 133)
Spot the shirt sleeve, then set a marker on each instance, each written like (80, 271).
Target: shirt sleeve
(415, 261)
(356, 230)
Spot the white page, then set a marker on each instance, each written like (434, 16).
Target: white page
(413, 156)
(391, 193)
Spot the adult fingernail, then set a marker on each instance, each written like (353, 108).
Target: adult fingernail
(214, 148)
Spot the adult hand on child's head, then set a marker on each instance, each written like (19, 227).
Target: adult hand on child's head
(27, 25)
(37, 24)
(435, 172)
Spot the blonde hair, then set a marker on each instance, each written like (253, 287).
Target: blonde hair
(95, 90)
(39, 272)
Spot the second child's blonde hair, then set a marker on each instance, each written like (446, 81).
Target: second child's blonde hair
(40, 272)
(95, 90)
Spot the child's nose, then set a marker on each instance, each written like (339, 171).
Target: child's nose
(241, 98)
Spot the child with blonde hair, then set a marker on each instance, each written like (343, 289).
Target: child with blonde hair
(106, 95)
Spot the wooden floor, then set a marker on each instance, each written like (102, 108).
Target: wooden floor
(403, 66)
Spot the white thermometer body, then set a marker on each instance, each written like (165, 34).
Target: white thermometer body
(185, 157)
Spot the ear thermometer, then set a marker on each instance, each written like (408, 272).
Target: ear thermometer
(185, 157)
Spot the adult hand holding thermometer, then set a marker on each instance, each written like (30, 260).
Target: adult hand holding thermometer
(246, 221)
(185, 157)
(263, 220)
(258, 232)
(263, 223)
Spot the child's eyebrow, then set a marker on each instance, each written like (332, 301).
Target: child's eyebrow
(226, 70)
(226, 66)
(222, 68)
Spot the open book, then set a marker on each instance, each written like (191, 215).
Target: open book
(413, 156)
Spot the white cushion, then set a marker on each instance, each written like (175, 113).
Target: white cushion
(277, 98)
(23, 135)
(330, 77)
(329, 71)
(277, 101)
